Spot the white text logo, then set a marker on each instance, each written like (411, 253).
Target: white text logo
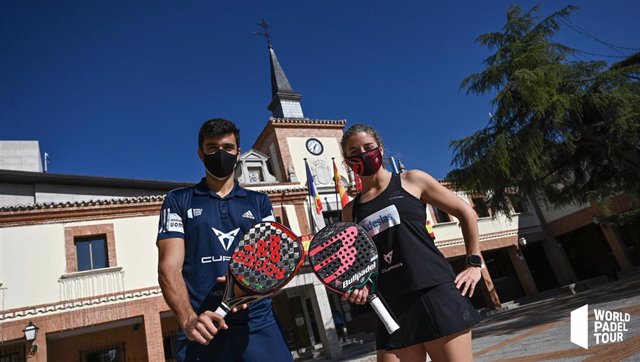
(608, 326)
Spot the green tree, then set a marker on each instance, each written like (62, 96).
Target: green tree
(567, 129)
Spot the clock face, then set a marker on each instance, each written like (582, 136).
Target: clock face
(314, 146)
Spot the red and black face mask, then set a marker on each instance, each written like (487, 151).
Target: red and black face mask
(366, 163)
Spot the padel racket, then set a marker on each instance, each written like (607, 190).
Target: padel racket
(345, 258)
(264, 261)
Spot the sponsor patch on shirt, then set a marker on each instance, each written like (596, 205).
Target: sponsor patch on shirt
(191, 213)
(381, 220)
(171, 222)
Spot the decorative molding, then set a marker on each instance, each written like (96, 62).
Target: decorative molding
(486, 237)
(65, 306)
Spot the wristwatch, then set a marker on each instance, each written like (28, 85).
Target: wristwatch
(475, 260)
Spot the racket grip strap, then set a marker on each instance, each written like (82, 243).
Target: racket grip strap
(390, 324)
(222, 310)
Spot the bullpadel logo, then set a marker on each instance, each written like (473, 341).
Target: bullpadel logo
(608, 326)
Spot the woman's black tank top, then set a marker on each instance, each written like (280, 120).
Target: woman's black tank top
(409, 258)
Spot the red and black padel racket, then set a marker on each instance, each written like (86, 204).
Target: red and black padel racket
(264, 261)
(345, 258)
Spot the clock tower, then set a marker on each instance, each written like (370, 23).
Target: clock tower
(289, 138)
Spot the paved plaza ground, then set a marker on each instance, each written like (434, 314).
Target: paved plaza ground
(538, 329)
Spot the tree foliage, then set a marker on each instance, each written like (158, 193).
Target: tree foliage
(570, 129)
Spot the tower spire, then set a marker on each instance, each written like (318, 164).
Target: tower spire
(285, 102)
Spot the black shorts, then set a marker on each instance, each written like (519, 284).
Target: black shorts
(427, 314)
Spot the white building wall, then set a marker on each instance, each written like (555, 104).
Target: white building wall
(136, 250)
(32, 259)
(20, 156)
(298, 151)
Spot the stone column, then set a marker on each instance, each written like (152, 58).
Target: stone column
(522, 270)
(324, 321)
(153, 336)
(553, 250)
(488, 282)
(616, 246)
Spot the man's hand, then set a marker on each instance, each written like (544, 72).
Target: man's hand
(358, 296)
(203, 328)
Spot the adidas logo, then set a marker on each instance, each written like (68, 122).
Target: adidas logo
(248, 215)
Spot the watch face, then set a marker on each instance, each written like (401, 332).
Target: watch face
(314, 146)
(474, 260)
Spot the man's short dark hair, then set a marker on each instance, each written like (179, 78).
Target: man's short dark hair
(217, 127)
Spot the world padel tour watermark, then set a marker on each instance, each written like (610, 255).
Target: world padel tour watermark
(608, 326)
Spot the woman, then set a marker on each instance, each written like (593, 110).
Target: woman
(418, 284)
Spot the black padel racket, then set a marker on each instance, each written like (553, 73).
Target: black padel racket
(345, 258)
(264, 261)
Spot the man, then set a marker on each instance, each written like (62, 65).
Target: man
(199, 229)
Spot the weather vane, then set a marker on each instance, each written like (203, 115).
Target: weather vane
(264, 31)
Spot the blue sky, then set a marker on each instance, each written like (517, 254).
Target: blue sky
(120, 88)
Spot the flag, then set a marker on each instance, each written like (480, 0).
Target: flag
(316, 212)
(358, 182)
(312, 189)
(430, 229)
(344, 198)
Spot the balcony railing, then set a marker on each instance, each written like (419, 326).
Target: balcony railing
(91, 283)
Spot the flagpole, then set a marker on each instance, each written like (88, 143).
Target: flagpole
(311, 217)
(329, 208)
(335, 181)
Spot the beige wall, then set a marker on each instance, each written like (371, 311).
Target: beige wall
(298, 149)
(31, 261)
(136, 250)
(33, 258)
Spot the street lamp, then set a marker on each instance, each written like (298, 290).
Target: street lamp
(522, 241)
(30, 332)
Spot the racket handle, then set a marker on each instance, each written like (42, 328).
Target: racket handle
(384, 315)
(222, 310)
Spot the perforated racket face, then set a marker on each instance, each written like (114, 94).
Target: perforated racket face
(343, 256)
(266, 258)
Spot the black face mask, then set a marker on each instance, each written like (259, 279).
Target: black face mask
(220, 164)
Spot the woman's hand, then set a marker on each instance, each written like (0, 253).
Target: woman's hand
(469, 278)
(357, 296)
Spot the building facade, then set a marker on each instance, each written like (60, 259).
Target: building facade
(78, 258)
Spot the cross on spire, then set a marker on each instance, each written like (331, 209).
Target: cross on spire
(264, 33)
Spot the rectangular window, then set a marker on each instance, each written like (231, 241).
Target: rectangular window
(91, 253)
(86, 245)
(480, 206)
(517, 203)
(441, 216)
(12, 353)
(169, 344)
